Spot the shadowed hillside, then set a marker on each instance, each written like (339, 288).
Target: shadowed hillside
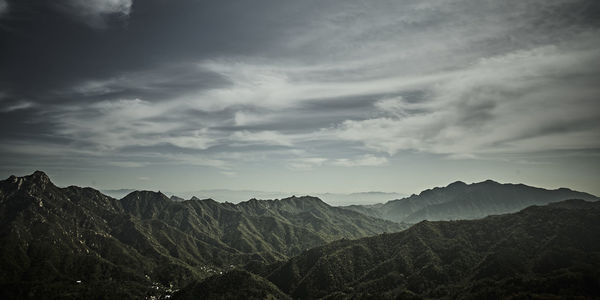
(75, 242)
(237, 284)
(542, 252)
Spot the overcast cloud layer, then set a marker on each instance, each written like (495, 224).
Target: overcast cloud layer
(384, 95)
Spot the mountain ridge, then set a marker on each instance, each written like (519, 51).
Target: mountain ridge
(236, 196)
(540, 252)
(144, 242)
(459, 200)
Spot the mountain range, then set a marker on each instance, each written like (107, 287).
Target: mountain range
(73, 242)
(459, 201)
(236, 196)
(541, 252)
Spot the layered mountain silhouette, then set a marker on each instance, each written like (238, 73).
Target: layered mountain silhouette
(541, 252)
(78, 243)
(467, 201)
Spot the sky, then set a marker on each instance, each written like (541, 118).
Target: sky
(301, 96)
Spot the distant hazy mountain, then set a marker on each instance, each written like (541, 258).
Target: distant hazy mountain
(118, 193)
(363, 198)
(233, 196)
(542, 252)
(79, 243)
(176, 199)
(236, 196)
(467, 201)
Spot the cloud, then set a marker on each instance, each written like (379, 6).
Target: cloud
(132, 133)
(17, 106)
(366, 160)
(96, 12)
(518, 102)
(309, 163)
(262, 137)
(3, 7)
(306, 163)
(101, 7)
(242, 118)
(351, 50)
(288, 85)
(112, 124)
(126, 164)
(395, 106)
(229, 173)
(163, 82)
(197, 159)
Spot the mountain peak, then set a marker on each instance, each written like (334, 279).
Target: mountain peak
(457, 184)
(301, 198)
(194, 198)
(145, 204)
(304, 200)
(489, 181)
(146, 195)
(39, 177)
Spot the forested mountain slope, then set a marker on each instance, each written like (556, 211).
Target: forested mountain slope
(541, 252)
(55, 237)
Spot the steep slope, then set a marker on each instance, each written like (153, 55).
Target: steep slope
(541, 252)
(75, 242)
(462, 201)
(263, 230)
(313, 222)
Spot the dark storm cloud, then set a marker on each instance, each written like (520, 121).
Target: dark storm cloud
(344, 83)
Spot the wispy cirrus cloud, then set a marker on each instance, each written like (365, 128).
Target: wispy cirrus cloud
(516, 102)
(305, 163)
(366, 160)
(96, 12)
(468, 109)
(262, 137)
(481, 108)
(17, 106)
